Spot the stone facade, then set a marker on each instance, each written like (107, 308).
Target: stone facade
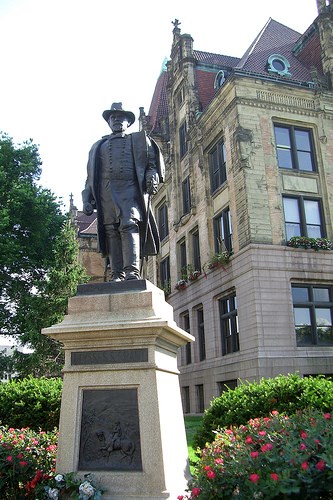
(242, 313)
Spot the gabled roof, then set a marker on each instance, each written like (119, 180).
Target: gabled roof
(159, 104)
(301, 52)
(274, 38)
(87, 224)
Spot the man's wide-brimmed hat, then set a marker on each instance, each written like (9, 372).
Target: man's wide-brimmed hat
(117, 107)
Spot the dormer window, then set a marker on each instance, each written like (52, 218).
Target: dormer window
(278, 64)
(219, 79)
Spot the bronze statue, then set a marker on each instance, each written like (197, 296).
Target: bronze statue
(124, 171)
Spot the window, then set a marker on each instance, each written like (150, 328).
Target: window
(217, 166)
(226, 386)
(186, 399)
(182, 140)
(313, 312)
(163, 226)
(219, 79)
(229, 324)
(165, 273)
(199, 389)
(302, 217)
(186, 327)
(295, 148)
(182, 259)
(201, 335)
(196, 251)
(223, 231)
(278, 64)
(179, 97)
(186, 191)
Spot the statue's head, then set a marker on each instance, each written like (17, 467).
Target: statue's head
(116, 112)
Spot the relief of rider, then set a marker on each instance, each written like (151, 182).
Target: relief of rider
(123, 172)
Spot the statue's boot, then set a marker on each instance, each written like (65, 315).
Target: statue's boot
(113, 241)
(131, 253)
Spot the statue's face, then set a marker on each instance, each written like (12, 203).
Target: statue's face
(118, 122)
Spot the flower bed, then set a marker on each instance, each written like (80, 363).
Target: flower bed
(27, 468)
(272, 457)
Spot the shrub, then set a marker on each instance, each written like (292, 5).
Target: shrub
(271, 457)
(285, 393)
(27, 468)
(26, 457)
(31, 402)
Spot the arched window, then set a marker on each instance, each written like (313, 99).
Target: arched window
(278, 64)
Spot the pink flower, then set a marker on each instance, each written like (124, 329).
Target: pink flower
(248, 440)
(219, 460)
(229, 431)
(19, 455)
(51, 447)
(320, 465)
(254, 454)
(211, 474)
(274, 476)
(327, 416)
(207, 467)
(195, 492)
(254, 478)
(275, 412)
(23, 463)
(302, 447)
(305, 466)
(262, 433)
(303, 434)
(180, 497)
(9, 458)
(266, 447)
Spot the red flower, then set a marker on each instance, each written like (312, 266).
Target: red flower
(327, 416)
(320, 465)
(303, 434)
(262, 433)
(254, 454)
(254, 478)
(19, 455)
(180, 497)
(211, 474)
(305, 466)
(23, 463)
(248, 440)
(9, 458)
(207, 467)
(274, 476)
(302, 447)
(195, 492)
(219, 460)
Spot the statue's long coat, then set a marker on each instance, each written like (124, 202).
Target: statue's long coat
(140, 144)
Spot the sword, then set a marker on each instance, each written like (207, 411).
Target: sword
(146, 233)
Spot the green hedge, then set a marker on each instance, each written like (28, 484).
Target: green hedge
(285, 393)
(31, 402)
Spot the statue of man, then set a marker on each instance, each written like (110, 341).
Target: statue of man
(124, 171)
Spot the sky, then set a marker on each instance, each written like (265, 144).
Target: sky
(63, 62)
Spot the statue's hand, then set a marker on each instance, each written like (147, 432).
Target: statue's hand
(87, 208)
(152, 183)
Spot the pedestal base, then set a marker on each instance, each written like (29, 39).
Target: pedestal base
(121, 413)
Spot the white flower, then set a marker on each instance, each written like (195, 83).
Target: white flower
(59, 478)
(87, 489)
(53, 493)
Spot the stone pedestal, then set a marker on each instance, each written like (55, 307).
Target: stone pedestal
(121, 413)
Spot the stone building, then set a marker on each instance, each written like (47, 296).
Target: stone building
(248, 144)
